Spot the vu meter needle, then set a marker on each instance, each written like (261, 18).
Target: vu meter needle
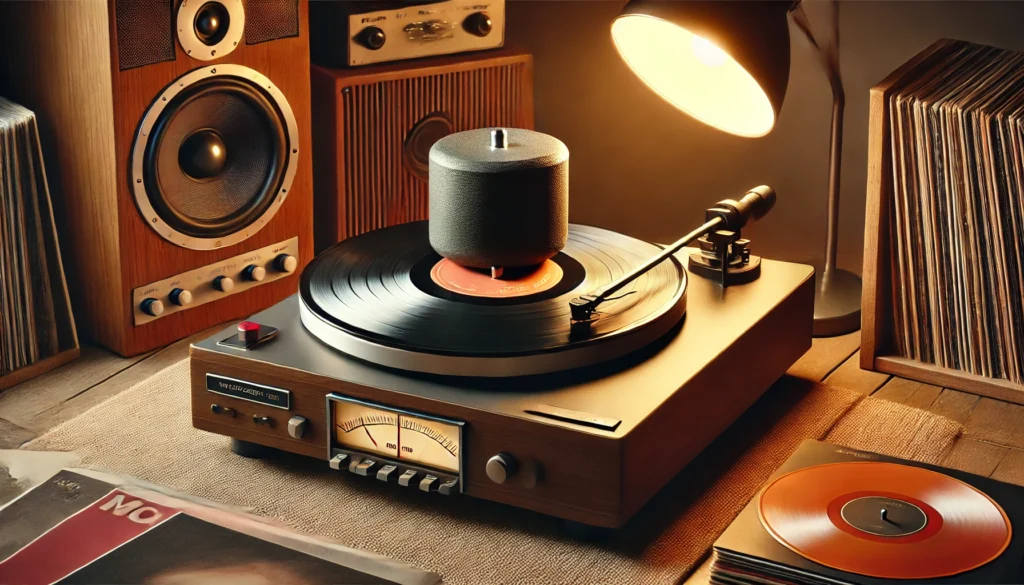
(371, 436)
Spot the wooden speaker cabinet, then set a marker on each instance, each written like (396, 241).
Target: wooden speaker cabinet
(178, 145)
(374, 126)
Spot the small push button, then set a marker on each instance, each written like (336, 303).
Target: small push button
(385, 473)
(407, 478)
(429, 483)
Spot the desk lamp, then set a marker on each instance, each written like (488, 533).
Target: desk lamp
(726, 63)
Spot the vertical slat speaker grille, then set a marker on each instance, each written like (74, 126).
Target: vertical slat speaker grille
(380, 189)
(269, 20)
(145, 32)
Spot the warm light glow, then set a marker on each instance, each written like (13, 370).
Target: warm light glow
(693, 74)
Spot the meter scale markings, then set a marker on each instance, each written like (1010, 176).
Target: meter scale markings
(408, 438)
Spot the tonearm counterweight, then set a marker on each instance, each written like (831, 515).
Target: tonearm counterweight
(723, 252)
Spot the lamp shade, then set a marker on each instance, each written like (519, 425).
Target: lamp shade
(726, 63)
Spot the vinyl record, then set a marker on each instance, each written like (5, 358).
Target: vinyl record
(884, 520)
(374, 297)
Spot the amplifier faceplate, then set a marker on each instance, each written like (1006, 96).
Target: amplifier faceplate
(214, 281)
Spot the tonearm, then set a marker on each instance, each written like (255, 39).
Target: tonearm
(723, 252)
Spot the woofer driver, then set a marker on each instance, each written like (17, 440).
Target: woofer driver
(214, 157)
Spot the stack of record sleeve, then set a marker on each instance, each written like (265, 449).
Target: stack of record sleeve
(957, 221)
(35, 314)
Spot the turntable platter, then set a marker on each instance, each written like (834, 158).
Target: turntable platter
(373, 297)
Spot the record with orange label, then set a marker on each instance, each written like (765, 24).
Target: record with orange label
(884, 520)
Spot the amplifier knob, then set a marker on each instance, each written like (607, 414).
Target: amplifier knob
(501, 467)
(371, 37)
(180, 297)
(224, 284)
(285, 263)
(152, 307)
(254, 273)
(478, 24)
(297, 427)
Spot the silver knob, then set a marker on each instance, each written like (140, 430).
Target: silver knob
(255, 273)
(152, 307)
(297, 426)
(501, 467)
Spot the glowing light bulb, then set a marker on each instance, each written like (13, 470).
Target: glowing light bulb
(707, 53)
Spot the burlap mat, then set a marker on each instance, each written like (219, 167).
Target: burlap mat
(146, 432)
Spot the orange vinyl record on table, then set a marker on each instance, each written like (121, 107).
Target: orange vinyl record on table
(884, 520)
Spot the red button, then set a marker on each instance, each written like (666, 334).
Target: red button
(248, 331)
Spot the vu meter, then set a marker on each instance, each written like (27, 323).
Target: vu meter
(397, 435)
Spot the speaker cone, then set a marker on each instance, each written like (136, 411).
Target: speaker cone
(214, 157)
(210, 29)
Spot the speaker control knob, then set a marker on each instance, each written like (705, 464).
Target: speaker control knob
(223, 284)
(478, 24)
(501, 467)
(254, 273)
(372, 38)
(285, 263)
(180, 297)
(152, 307)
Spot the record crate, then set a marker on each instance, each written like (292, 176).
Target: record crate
(879, 347)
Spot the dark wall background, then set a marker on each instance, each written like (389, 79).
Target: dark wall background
(639, 166)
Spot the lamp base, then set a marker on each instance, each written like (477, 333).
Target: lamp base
(837, 307)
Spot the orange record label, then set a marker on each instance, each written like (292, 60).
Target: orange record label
(884, 520)
(458, 279)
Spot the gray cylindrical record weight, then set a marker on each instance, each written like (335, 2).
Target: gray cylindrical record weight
(499, 197)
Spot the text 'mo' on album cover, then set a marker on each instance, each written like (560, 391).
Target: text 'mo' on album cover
(78, 529)
(832, 515)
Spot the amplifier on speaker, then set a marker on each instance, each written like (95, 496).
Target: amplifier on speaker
(374, 126)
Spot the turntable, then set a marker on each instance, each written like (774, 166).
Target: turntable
(572, 373)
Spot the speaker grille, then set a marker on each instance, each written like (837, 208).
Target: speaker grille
(381, 188)
(269, 20)
(145, 32)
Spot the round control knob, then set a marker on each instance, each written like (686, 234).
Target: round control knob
(254, 273)
(223, 284)
(478, 24)
(152, 307)
(501, 467)
(372, 38)
(285, 263)
(180, 297)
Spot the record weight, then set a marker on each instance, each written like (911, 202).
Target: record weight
(884, 520)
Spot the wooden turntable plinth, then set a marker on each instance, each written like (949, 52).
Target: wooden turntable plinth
(613, 435)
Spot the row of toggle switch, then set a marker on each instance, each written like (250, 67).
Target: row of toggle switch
(387, 472)
(283, 263)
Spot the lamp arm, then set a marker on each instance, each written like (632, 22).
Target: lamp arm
(830, 61)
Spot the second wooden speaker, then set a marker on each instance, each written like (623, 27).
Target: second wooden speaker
(373, 128)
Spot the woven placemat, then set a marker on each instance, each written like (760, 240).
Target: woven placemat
(146, 432)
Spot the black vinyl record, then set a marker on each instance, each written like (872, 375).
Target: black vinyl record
(371, 296)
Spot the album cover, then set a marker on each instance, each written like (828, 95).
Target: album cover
(80, 530)
(748, 553)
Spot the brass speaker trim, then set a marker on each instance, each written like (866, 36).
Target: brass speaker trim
(149, 119)
(196, 48)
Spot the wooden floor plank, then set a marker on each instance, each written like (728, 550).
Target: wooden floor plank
(22, 403)
(901, 390)
(1011, 468)
(955, 405)
(120, 382)
(12, 436)
(975, 456)
(996, 422)
(850, 376)
(825, 355)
